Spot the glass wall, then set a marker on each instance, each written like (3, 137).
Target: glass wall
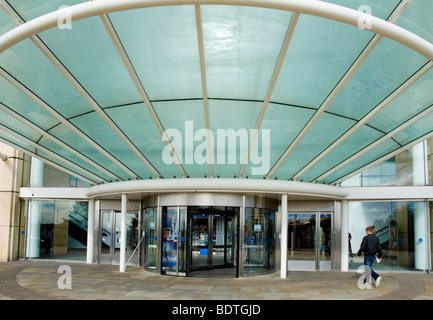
(57, 229)
(401, 227)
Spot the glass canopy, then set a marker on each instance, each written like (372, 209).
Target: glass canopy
(188, 89)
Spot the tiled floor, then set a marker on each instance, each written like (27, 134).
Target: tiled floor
(25, 280)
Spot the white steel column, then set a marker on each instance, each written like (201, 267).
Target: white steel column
(123, 233)
(284, 233)
(34, 219)
(344, 235)
(90, 230)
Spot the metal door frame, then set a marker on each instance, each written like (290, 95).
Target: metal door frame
(235, 241)
(317, 215)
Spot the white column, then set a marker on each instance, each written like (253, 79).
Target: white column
(123, 233)
(284, 233)
(420, 234)
(418, 166)
(344, 235)
(34, 219)
(90, 230)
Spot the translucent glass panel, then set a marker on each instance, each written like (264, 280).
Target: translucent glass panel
(417, 19)
(380, 151)
(181, 120)
(28, 10)
(93, 126)
(17, 126)
(17, 101)
(359, 140)
(284, 124)
(311, 67)
(63, 133)
(231, 123)
(6, 23)
(422, 127)
(241, 47)
(413, 100)
(87, 168)
(93, 60)
(164, 52)
(385, 69)
(325, 131)
(30, 66)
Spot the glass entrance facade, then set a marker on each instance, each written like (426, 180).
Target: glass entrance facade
(179, 240)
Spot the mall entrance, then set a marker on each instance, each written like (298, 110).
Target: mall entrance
(310, 241)
(214, 234)
(198, 238)
(212, 241)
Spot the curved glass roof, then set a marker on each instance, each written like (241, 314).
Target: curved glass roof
(221, 90)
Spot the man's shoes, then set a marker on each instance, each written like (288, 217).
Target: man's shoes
(378, 280)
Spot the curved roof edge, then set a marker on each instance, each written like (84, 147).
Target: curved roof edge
(310, 7)
(217, 185)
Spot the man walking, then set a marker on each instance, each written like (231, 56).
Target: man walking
(370, 246)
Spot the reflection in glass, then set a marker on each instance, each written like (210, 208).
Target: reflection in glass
(401, 228)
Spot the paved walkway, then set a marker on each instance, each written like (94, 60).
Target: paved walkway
(38, 280)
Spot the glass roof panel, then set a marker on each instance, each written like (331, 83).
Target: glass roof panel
(413, 100)
(17, 143)
(231, 119)
(360, 139)
(67, 136)
(18, 127)
(417, 19)
(37, 73)
(69, 156)
(93, 60)
(6, 23)
(135, 121)
(181, 120)
(325, 131)
(93, 125)
(422, 127)
(28, 10)
(14, 99)
(76, 171)
(312, 68)
(384, 70)
(165, 51)
(284, 123)
(241, 47)
(369, 157)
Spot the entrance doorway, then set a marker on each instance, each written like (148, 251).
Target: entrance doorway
(212, 238)
(109, 252)
(197, 238)
(310, 241)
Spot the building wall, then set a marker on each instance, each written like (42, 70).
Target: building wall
(13, 171)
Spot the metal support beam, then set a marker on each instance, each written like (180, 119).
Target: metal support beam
(90, 231)
(284, 235)
(124, 205)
